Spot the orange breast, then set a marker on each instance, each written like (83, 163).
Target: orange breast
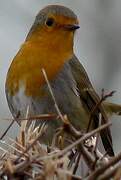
(25, 69)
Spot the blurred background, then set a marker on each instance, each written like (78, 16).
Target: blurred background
(97, 45)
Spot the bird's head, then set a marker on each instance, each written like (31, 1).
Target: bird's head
(55, 25)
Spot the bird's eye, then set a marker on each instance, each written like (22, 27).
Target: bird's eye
(50, 22)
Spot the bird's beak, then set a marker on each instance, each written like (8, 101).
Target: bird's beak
(71, 27)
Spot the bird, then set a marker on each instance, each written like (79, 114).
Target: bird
(49, 46)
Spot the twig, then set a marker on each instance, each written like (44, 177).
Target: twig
(53, 97)
(30, 146)
(103, 98)
(72, 130)
(110, 173)
(86, 136)
(101, 170)
(88, 157)
(117, 175)
(10, 125)
(69, 175)
(37, 117)
(83, 138)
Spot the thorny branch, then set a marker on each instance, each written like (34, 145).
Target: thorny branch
(103, 98)
(32, 154)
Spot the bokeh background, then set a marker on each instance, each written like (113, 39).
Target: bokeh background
(97, 45)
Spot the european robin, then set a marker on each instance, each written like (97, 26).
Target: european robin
(49, 45)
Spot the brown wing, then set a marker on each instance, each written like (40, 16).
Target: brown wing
(89, 99)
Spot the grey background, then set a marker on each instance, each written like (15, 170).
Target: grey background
(97, 45)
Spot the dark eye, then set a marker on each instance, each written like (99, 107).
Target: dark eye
(50, 22)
